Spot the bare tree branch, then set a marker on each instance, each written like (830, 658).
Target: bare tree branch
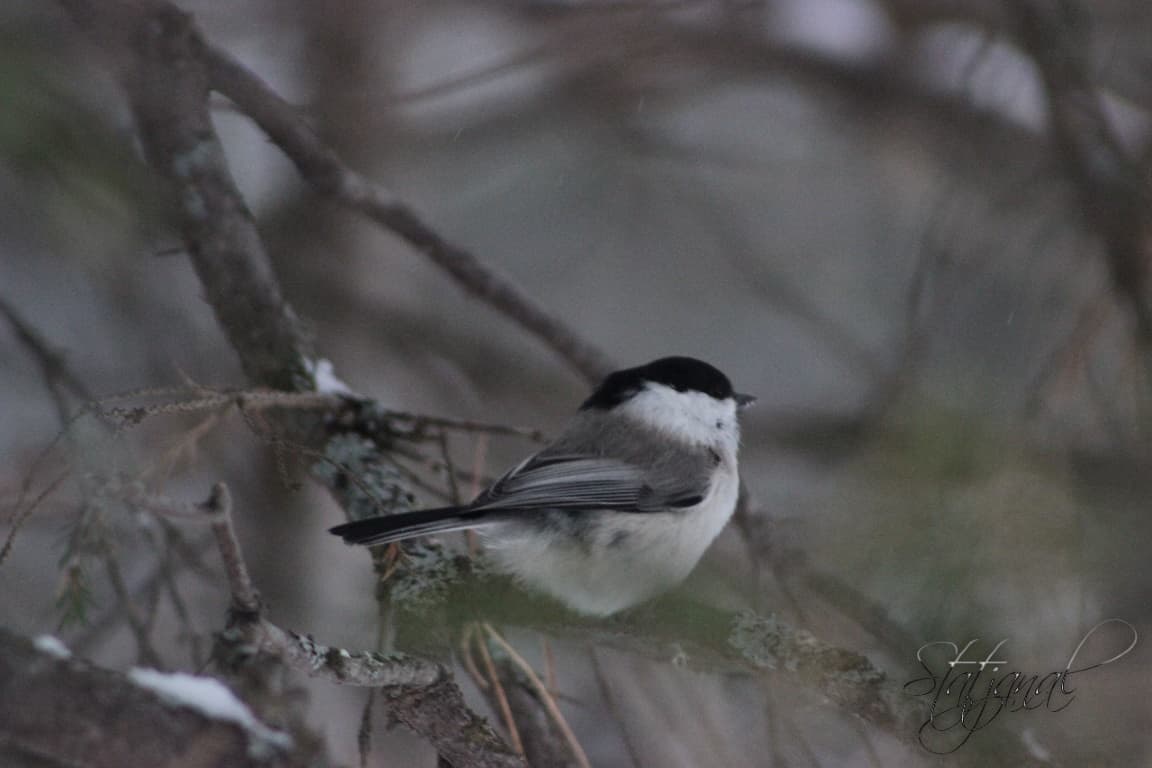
(219, 506)
(160, 56)
(1115, 197)
(57, 375)
(167, 69)
(320, 166)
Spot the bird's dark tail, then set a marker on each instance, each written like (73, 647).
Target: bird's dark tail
(388, 528)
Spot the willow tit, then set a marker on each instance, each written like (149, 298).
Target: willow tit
(621, 506)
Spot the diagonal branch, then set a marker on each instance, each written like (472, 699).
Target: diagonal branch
(1115, 197)
(161, 60)
(159, 56)
(58, 377)
(321, 167)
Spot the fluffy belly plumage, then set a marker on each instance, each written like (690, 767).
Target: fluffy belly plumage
(599, 563)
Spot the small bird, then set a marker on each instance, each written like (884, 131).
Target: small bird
(621, 506)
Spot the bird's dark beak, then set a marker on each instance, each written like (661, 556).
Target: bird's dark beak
(743, 401)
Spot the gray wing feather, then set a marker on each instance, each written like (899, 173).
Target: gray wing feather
(604, 464)
(567, 482)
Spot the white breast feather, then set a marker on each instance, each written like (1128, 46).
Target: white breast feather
(653, 551)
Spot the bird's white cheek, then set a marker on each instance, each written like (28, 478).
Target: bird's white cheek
(690, 416)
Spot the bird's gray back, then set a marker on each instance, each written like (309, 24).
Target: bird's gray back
(672, 469)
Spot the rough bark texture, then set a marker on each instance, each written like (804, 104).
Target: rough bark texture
(544, 745)
(463, 738)
(66, 712)
(160, 57)
(161, 60)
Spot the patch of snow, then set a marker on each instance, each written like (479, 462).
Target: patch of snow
(52, 646)
(212, 699)
(327, 382)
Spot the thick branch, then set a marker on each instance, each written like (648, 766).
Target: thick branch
(708, 638)
(160, 58)
(321, 167)
(58, 711)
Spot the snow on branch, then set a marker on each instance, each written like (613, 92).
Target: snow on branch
(65, 711)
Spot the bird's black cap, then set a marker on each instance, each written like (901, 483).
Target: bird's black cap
(683, 374)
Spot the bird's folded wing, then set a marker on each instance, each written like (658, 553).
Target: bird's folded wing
(578, 482)
(566, 482)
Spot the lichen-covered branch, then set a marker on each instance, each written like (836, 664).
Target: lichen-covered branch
(421, 694)
(302, 653)
(705, 637)
(250, 632)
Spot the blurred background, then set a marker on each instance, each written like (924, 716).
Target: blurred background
(865, 211)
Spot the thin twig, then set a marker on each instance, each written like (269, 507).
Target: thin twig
(172, 588)
(179, 553)
(56, 372)
(37, 463)
(501, 696)
(279, 442)
(467, 658)
(466, 425)
(201, 399)
(185, 445)
(136, 623)
(449, 467)
(1071, 353)
(301, 652)
(364, 734)
(245, 600)
(19, 517)
(414, 477)
(545, 697)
